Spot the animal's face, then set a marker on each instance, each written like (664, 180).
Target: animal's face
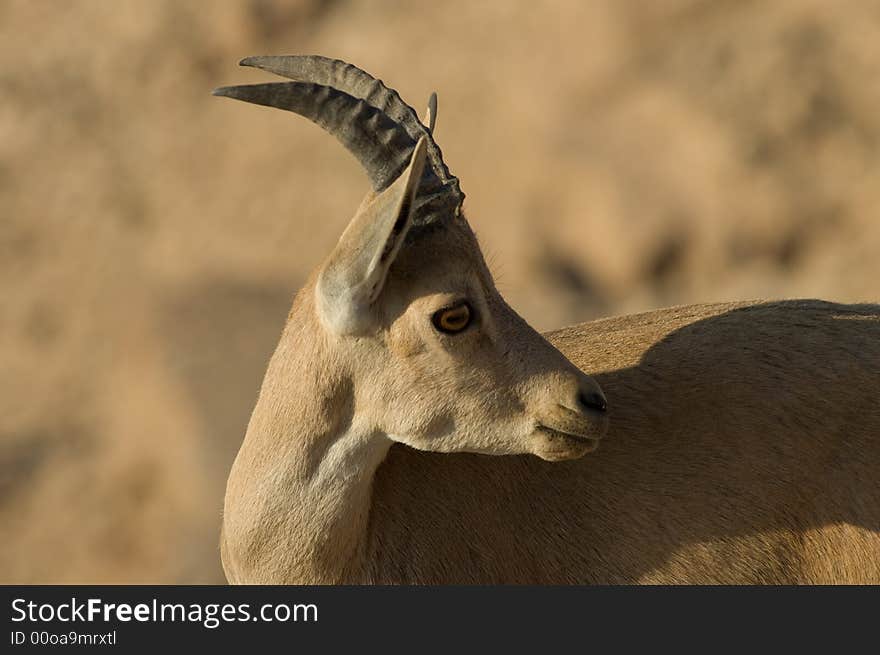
(436, 358)
(439, 361)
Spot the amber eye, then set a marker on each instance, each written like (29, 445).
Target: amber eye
(453, 319)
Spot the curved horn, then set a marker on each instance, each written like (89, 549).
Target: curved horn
(345, 77)
(381, 145)
(360, 84)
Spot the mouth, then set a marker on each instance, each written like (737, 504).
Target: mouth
(560, 445)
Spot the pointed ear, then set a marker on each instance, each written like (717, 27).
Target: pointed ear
(353, 276)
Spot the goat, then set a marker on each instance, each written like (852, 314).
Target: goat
(412, 428)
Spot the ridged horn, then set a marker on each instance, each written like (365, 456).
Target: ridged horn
(358, 83)
(380, 144)
(368, 118)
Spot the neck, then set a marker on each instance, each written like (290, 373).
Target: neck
(299, 494)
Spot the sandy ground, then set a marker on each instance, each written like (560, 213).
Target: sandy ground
(617, 156)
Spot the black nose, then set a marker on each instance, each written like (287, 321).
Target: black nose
(592, 400)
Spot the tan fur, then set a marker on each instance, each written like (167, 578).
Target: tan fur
(743, 442)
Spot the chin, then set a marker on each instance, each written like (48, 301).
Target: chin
(559, 448)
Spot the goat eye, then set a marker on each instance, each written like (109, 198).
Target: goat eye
(453, 319)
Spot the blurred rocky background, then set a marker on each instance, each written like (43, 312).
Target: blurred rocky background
(617, 156)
